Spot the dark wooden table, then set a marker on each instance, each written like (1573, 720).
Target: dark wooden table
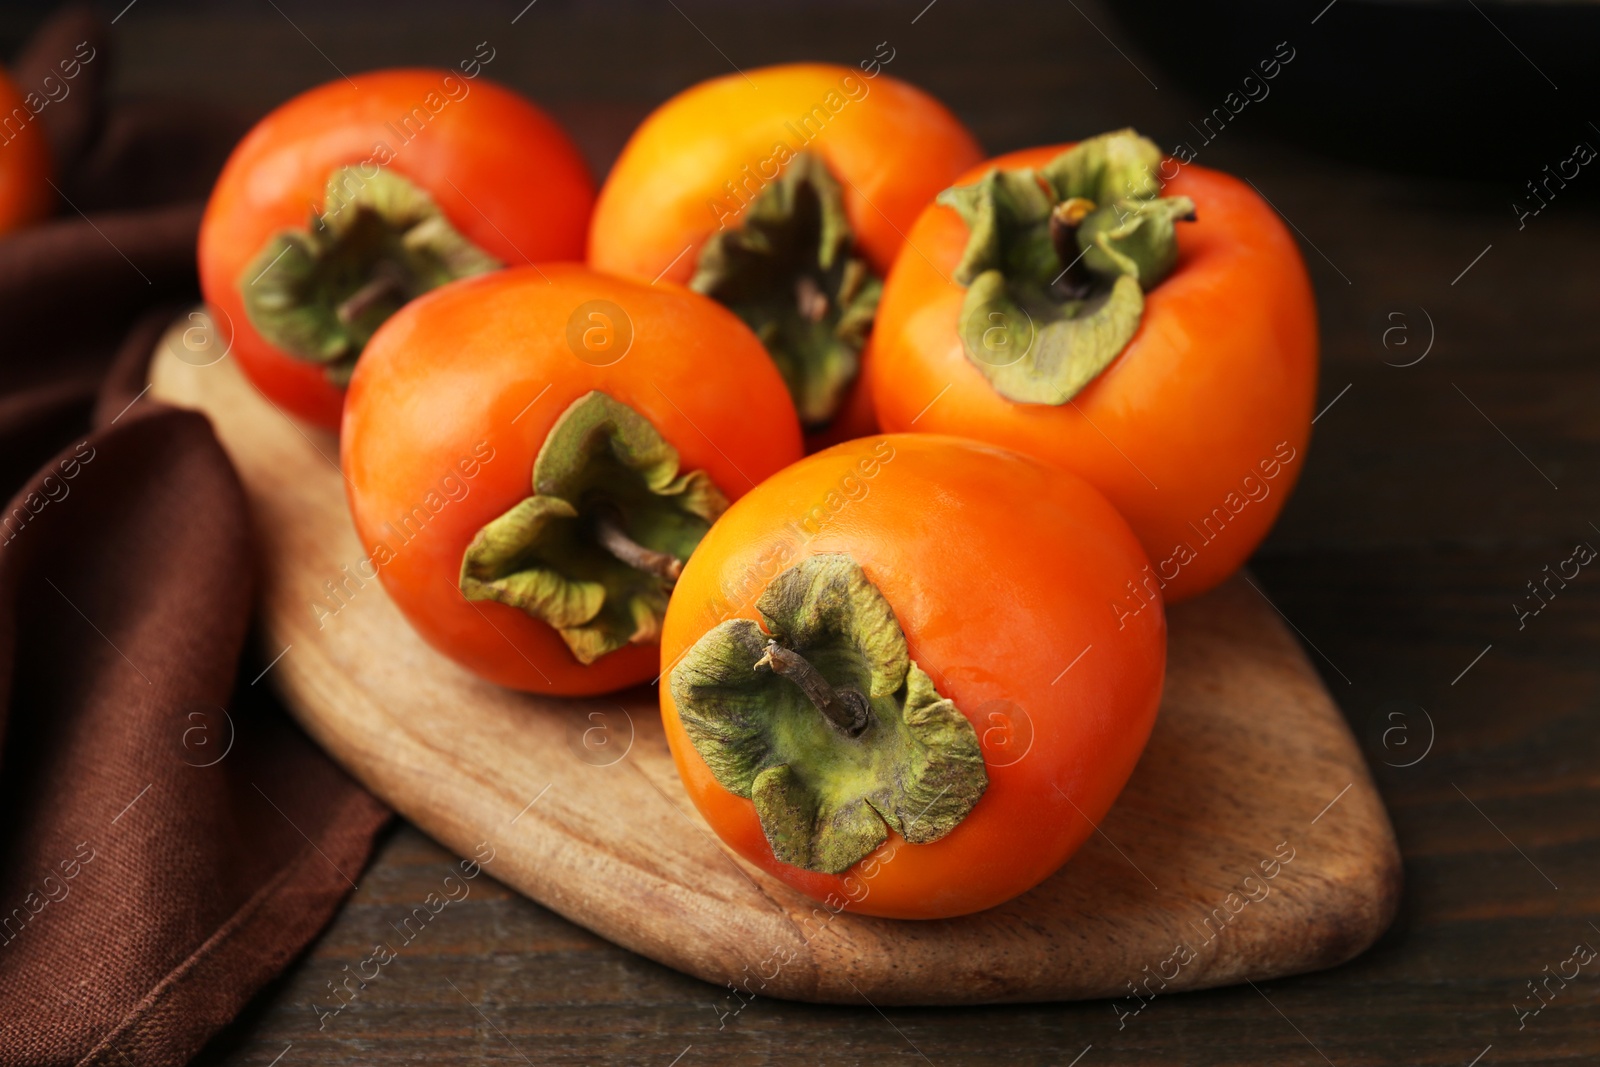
(1447, 472)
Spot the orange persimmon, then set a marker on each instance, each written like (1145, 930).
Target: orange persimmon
(25, 193)
(893, 678)
(361, 194)
(783, 193)
(1019, 319)
(531, 455)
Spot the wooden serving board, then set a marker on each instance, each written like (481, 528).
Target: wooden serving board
(1249, 763)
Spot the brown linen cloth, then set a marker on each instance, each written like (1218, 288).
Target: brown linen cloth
(171, 841)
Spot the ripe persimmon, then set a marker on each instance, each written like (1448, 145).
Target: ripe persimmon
(1147, 325)
(784, 193)
(894, 678)
(25, 193)
(532, 454)
(364, 193)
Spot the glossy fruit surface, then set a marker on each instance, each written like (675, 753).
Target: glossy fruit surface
(890, 144)
(1001, 572)
(25, 193)
(714, 161)
(456, 397)
(502, 173)
(1197, 431)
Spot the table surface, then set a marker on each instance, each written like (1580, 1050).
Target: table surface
(1452, 465)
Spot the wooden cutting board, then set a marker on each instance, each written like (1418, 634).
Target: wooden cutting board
(1249, 844)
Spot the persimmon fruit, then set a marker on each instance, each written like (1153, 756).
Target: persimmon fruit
(894, 679)
(784, 192)
(1147, 325)
(25, 164)
(361, 194)
(532, 454)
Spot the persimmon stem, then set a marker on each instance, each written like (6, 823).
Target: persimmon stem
(845, 708)
(810, 299)
(615, 540)
(385, 283)
(1065, 219)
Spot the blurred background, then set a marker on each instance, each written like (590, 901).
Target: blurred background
(1486, 98)
(1450, 87)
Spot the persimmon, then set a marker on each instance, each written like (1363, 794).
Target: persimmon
(784, 193)
(893, 680)
(25, 193)
(1063, 302)
(359, 195)
(532, 454)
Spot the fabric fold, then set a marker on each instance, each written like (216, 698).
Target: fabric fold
(172, 839)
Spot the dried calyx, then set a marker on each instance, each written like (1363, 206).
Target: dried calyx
(819, 715)
(790, 271)
(320, 293)
(1058, 261)
(597, 547)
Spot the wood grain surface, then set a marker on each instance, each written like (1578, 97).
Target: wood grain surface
(1252, 804)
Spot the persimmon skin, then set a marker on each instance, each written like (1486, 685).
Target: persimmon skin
(1216, 388)
(1002, 571)
(482, 367)
(25, 164)
(891, 146)
(502, 171)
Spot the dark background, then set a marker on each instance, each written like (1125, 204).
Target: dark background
(1397, 144)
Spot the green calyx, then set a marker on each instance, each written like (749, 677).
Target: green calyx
(320, 293)
(1058, 261)
(823, 720)
(596, 549)
(790, 272)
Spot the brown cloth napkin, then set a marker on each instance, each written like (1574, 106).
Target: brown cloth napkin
(170, 840)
